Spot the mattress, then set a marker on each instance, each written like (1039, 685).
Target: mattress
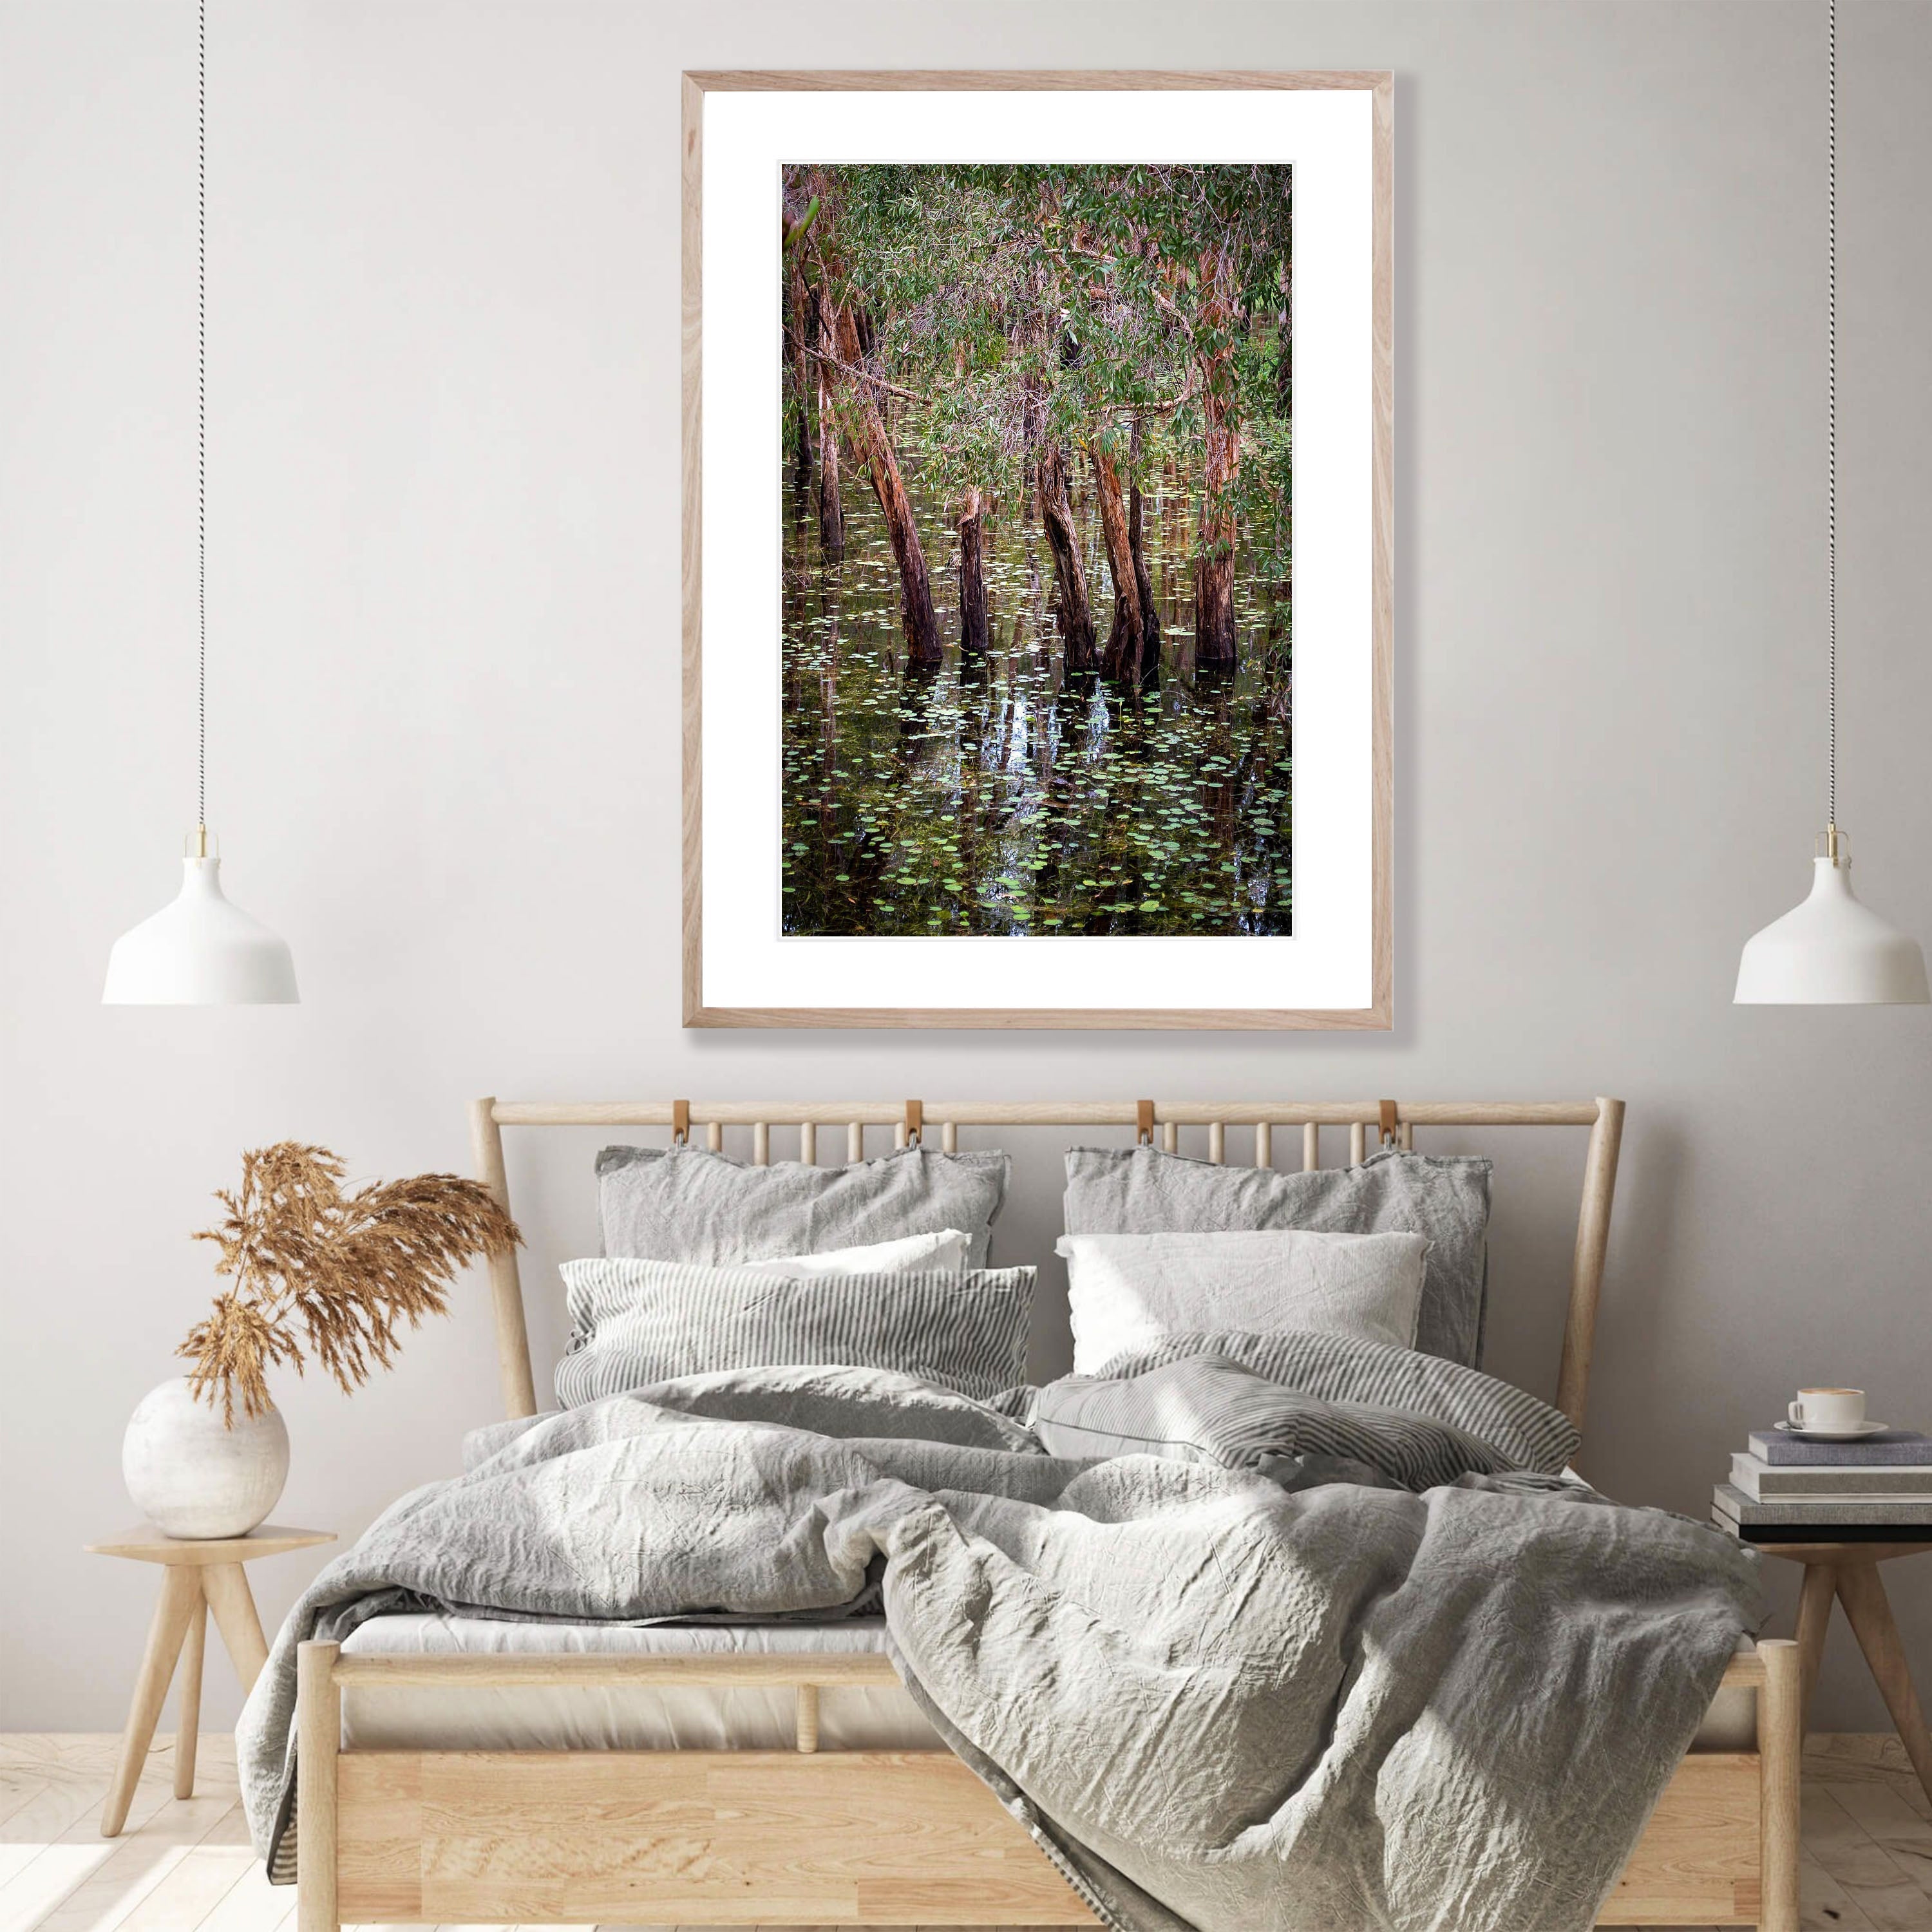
(632, 1716)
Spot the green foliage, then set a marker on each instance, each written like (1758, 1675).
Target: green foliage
(1065, 302)
(797, 232)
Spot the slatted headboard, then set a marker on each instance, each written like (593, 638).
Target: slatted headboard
(1394, 1122)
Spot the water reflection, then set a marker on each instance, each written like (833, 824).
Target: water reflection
(992, 795)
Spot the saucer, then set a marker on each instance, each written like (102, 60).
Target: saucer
(1855, 1434)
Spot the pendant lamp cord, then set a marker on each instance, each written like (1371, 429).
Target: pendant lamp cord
(201, 410)
(1831, 408)
(202, 414)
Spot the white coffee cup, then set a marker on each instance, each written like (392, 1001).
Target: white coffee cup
(1830, 1410)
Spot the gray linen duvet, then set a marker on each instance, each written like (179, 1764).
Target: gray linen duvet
(1217, 1698)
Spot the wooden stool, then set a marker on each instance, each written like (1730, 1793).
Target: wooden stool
(1847, 1573)
(199, 1576)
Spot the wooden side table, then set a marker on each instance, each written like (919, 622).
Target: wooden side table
(198, 1577)
(1846, 1572)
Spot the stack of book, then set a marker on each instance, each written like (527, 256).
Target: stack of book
(1786, 1488)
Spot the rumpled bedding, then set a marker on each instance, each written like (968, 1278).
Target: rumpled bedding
(1255, 1696)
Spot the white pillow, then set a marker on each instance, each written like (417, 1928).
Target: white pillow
(1128, 1290)
(944, 1252)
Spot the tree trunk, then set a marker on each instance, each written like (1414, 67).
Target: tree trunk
(1143, 588)
(831, 511)
(1056, 515)
(1284, 345)
(1284, 365)
(1024, 332)
(1214, 599)
(1123, 658)
(799, 331)
(1214, 633)
(973, 637)
(874, 449)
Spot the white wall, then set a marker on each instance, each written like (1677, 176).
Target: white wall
(443, 503)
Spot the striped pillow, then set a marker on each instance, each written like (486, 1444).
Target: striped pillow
(1206, 1409)
(1524, 1432)
(636, 1322)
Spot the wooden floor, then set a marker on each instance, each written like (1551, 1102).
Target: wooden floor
(184, 1865)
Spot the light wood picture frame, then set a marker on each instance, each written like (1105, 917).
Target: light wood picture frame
(740, 967)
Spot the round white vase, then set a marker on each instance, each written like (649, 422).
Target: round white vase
(192, 1477)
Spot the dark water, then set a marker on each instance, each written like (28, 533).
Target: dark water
(987, 798)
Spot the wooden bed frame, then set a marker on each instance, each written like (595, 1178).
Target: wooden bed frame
(750, 1837)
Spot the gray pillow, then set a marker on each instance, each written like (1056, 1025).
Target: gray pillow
(686, 1204)
(634, 1323)
(1143, 1191)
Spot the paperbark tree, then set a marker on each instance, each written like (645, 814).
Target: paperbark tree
(972, 633)
(873, 445)
(831, 511)
(1056, 516)
(1214, 629)
(798, 332)
(1150, 638)
(1123, 658)
(1284, 339)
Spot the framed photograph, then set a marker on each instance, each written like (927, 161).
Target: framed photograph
(1037, 549)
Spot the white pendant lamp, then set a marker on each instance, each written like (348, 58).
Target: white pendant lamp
(1830, 950)
(200, 950)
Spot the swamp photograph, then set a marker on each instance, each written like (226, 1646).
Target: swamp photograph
(1036, 508)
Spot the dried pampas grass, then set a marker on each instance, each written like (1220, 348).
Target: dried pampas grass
(337, 1272)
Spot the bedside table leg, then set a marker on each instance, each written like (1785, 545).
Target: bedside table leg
(180, 1595)
(188, 1698)
(226, 1586)
(1862, 1593)
(1814, 1618)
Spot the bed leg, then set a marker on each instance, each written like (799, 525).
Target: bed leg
(318, 1738)
(1781, 1747)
